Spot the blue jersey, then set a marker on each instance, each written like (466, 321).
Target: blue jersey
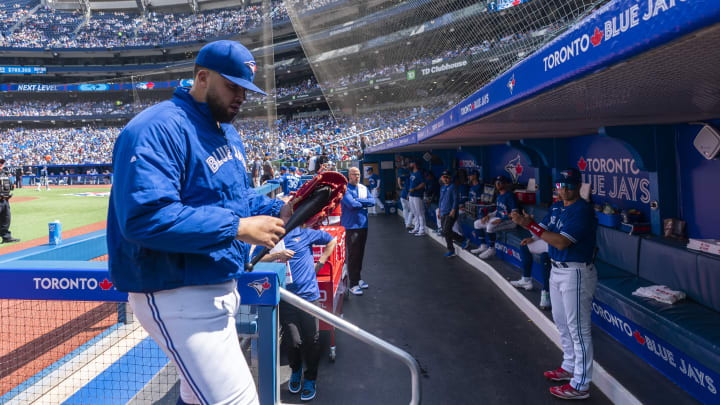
(448, 198)
(405, 184)
(506, 203)
(302, 265)
(373, 181)
(416, 179)
(475, 192)
(292, 182)
(463, 191)
(576, 222)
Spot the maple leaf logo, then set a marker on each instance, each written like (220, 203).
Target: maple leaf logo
(519, 168)
(582, 164)
(516, 2)
(597, 37)
(639, 338)
(106, 285)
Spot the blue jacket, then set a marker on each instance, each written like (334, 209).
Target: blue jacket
(448, 198)
(180, 188)
(354, 209)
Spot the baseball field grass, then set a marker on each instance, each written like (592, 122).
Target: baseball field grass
(74, 207)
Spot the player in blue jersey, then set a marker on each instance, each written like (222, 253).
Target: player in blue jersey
(476, 187)
(292, 180)
(300, 330)
(415, 191)
(403, 183)
(374, 185)
(569, 230)
(498, 220)
(449, 204)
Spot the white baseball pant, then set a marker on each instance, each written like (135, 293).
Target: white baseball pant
(571, 293)
(378, 204)
(195, 327)
(490, 227)
(418, 207)
(407, 212)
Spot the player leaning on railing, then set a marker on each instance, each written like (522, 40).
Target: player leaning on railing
(180, 219)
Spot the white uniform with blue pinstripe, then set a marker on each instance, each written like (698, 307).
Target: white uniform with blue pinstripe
(189, 324)
(573, 280)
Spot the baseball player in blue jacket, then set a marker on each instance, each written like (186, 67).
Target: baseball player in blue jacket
(180, 221)
(569, 230)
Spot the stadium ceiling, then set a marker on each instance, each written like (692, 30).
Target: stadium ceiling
(677, 82)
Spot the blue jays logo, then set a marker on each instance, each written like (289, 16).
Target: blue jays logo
(252, 66)
(260, 285)
(296, 240)
(511, 83)
(515, 168)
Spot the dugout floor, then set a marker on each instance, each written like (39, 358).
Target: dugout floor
(473, 344)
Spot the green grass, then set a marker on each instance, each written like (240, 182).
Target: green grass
(30, 218)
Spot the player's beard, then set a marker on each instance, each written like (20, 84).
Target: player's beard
(220, 113)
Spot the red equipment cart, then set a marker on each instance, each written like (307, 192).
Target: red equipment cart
(333, 277)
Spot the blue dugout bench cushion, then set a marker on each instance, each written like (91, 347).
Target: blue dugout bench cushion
(680, 269)
(687, 325)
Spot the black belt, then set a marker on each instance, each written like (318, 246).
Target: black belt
(565, 265)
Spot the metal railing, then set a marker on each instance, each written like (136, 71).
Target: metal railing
(362, 335)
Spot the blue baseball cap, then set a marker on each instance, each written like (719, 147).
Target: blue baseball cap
(569, 176)
(293, 169)
(283, 168)
(502, 179)
(302, 170)
(232, 60)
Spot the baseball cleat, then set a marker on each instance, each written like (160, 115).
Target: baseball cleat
(412, 230)
(466, 244)
(362, 284)
(568, 392)
(480, 249)
(525, 283)
(558, 375)
(450, 254)
(356, 290)
(487, 254)
(544, 300)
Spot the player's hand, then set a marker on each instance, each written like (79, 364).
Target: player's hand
(452, 212)
(523, 219)
(526, 241)
(485, 219)
(318, 266)
(286, 212)
(285, 255)
(260, 230)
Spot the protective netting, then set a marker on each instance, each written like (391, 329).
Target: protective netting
(417, 58)
(78, 352)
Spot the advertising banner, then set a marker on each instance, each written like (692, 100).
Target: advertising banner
(685, 371)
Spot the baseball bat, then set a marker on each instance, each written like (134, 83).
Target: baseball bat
(309, 207)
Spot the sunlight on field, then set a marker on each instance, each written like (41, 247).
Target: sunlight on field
(30, 218)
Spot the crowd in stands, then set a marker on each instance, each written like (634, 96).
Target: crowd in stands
(34, 108)
(287, 139)
(48, 27)
(30, 146)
